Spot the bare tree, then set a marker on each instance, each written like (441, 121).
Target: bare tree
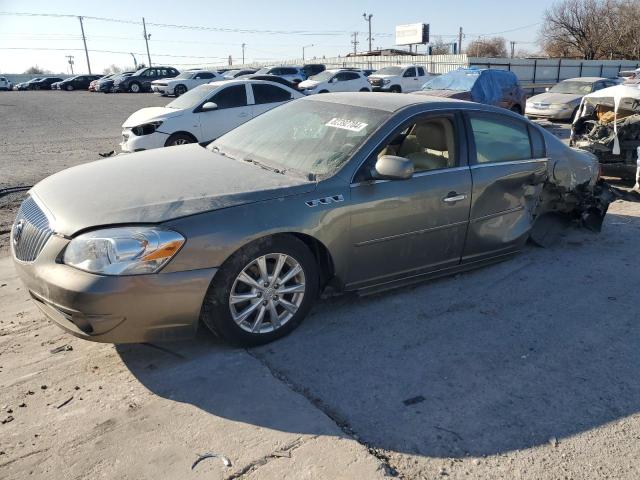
(488, 47)
(592, 29)
(440, 48)
(35, 70)
(113, 68)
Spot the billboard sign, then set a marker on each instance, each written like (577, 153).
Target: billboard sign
(413, 34)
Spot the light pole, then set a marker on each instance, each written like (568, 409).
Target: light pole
(306, 46)
(367, 18)
(147, 37)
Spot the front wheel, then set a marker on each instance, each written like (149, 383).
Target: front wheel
(135, 88)
(365, 90)
(69, 88)
(395, 89)
(262, 292)
(179, 90)
(179, 139)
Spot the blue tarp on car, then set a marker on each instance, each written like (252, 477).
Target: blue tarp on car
(485, 86)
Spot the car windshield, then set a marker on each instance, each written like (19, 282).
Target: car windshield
(581, 88)
(185, 75)
(323, 76)
(192, 98)
(231, 73)
(313, 138)
(456, 82)
(263, 71)
(389, 71)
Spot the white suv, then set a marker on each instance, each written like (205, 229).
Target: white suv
(293, 74)
(402, 78)
(5, 84)
(184, 82)
(338, 80)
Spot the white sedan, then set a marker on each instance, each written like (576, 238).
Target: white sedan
(202, 114)
(184, 82)
(338, 80)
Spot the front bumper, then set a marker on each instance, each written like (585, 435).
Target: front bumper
(133, 143)
(549, 113)
(127, 309)
(161, 89)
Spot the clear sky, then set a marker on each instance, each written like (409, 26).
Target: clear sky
(275, 29)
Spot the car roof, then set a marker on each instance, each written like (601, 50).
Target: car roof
(584, 79)
(393, 103)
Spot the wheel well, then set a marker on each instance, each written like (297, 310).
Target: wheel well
(183, 133)
(322, 254)
(517, 109)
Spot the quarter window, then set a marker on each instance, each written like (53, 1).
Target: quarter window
(345, 76)
(421, 72)
(500, 140)
(231, 97)
(204, 75)
(263, 93)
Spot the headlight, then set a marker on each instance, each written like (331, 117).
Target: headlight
(558, 106)
(386, 81)
(146, 128)
(123, 251)
(311, 87)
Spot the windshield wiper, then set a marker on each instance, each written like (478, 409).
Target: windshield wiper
(224, 154)
(264, 166)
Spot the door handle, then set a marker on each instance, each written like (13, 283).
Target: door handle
(453, 197)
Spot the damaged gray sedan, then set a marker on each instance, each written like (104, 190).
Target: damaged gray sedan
(360, 191)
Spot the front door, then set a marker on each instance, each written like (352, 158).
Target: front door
(233, 110)
(409, 227)
(508, 167)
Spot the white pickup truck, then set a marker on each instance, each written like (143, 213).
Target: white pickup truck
(402, 78)
(5, 84)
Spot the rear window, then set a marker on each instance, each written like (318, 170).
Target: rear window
(263, 93)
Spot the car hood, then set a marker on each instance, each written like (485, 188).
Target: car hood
(549, 98)
(149, 114)
(382, 76)
(155, 186)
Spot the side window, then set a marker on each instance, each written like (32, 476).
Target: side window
(344, 76)
(263, 93)
(173, 72)
(410, 72)
(164, 72)
(421, 72)
(205, 75)
(353, 76)
(276, 71)
(289, 71)
(150, 73)
(231, 97)
(430, 144)
(500, 139)
(538, 147)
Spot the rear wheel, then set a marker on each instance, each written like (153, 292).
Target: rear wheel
(179, 90)
(516, 109)
(262, 292)
(179, 139)
(135, 88)
(69, 88)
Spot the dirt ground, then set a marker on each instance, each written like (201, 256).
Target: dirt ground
(528, 369)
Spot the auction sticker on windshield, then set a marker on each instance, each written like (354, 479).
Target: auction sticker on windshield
(351, 125)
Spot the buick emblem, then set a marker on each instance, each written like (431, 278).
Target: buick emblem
(17, 232)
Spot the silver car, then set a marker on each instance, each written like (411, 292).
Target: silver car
(360, 191)
(561, 101)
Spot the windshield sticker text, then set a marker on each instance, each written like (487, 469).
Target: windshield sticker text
(351, 125)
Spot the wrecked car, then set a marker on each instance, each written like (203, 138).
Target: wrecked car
(359, 191)
(608, 125)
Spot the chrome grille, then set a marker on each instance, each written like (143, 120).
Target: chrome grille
(30, 231)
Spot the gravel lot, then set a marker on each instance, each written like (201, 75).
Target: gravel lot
(526, 369)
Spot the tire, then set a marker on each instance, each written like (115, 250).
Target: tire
(395, 89)
(179, 90)
(135, 87)
(69, 88)
(365, 90)
(323, 91)
(179, 139)
(516, 109)
(217, 308)
(37, 87)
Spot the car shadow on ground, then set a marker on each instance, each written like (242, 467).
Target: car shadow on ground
(543, 346)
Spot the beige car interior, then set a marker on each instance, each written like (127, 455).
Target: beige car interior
(429, 145)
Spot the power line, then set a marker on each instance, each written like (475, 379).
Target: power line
(106, 51)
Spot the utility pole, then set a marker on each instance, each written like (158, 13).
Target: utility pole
(244, 45)
(146, 39)
(355, 42)
(460, 35)
(70, 61)
(230, 61)
(513, 49)
(367, 18)
(306, 46)
(84, 40)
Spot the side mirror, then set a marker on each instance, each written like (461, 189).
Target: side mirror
(333, 80)
(390, 167)
(208, 106)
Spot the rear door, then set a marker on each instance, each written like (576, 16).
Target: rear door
(402, 228)
(233, 110)
(410, 81)
(268, 96)
(508, 168)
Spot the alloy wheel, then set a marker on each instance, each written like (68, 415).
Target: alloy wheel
(267, 293)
